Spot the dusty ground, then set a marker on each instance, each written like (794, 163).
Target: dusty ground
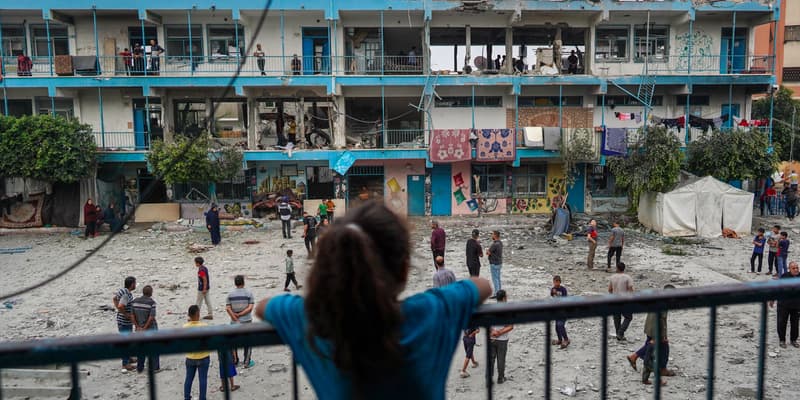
(71, 306)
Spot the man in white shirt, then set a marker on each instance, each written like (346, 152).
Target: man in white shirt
(621, 283)
(499, 344)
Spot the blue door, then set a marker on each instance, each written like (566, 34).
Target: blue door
(139, 137)
(308, 56)
(733, 53)
(416, 195)
(440, 190)
(731, 110)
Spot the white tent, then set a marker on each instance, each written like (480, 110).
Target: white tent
(698, 206)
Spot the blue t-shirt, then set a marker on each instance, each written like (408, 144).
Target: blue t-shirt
(783, 248)
(433, 323)
(759, 249)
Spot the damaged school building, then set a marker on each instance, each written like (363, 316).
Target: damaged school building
(437, 107)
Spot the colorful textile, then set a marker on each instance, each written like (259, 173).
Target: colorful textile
(472, 204)
(458, 179)
(24, 214)
(450, 145)
(496, 145)
(345, 161)
(614, 142)
(459, 195)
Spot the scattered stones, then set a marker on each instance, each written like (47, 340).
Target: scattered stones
(274, 368)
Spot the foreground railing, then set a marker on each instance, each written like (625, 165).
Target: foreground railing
(74, 350)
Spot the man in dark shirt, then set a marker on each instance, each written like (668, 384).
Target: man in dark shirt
(572, 61)
(789, 311)
(155, 56)
(203, 286)
(122, 302)
(144, 319)
(309, 231)
(437, 241)
(474, 253)
(495, 255)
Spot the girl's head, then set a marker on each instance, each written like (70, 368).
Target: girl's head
(355, 285)
(556, 281)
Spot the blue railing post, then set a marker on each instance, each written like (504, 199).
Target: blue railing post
(489, 372)
(75, 390)
(151, 377)
(712, 346)
(2, 56)
(762, 351)
(144, 45)
(191, 45)
(548, 358)
(656, 365)
(49, 42)
(96, 41)
(604, 360)
(102, 121)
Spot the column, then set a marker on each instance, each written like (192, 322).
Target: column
(338, 122)
(509, 51)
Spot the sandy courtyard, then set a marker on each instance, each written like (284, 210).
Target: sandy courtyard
(76, 304)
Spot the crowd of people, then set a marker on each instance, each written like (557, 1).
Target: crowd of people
(360, 265)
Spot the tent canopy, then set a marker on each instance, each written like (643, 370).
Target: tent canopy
(698, 206)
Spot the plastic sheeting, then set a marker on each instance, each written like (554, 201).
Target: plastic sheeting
(560, 222)
(699, 206)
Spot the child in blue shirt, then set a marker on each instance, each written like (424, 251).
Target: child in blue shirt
(758, 251)
(352, 334)
(561, 330)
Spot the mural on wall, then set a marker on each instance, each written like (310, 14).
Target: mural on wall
(556, 189)
(397, 199)
(701, 49)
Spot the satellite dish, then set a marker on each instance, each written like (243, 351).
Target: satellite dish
(480, 62)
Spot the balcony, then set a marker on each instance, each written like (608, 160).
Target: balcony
(75, 350)
(681, 64)
(112, 141)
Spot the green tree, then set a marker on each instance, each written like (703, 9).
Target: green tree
(190, 160)
(653, 164)
(784, 107)
(47, 148)
(575, 150)
(732, 155)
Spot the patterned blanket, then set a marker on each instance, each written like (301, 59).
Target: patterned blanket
(25, 214)
(450, 145)
(496, 145)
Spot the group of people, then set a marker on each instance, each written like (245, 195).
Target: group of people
(135, 61)
(139, 315)
(95, 216)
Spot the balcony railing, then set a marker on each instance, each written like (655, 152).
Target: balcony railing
(110, 140)
(679, 64)
(75, 350)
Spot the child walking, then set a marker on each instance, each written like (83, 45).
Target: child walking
(561, 330)
(227, 370)
(469, 346)
(290, 272)
(758, 251)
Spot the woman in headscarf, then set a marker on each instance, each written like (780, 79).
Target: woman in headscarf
(212, 224)
(90, 218)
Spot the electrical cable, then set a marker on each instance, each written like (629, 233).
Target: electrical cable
(92, 252)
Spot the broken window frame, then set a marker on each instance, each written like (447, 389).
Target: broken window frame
(493, 182)
(530, 176)
(602, 36)
(59, 40)
(641, 41)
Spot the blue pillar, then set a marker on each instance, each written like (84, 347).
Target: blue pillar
(686, 123)
(96, 41)
(191, 46)
(144, 45)
(236, 40)
(560, 108)
(283, 45)
(2, 57)
(472, 106)
(689, 74)
(774, 67)
(516, 114)
(49, 44)
(102, 121)
(383, 50)
(383, 116)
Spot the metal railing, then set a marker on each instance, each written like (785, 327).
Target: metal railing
(112, 140)
(74, 350)
(679, 64)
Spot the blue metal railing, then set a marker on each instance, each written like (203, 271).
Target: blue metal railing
(113, 140)
(74, 350)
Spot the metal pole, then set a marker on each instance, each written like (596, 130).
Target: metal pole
(147, 116)
(383, 117)
(236, 39)
(791, 146)
(774, 68)
(2, 57)
(383, 47)
(472, 106)
(49, 44)
(191, 46)
(96, 41)
(686, 119)
(733, 39)
(689, 75)
(560, 109)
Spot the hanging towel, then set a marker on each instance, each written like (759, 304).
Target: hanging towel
(615, 142)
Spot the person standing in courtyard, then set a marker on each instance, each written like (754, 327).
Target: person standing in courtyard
(212, 224)
(239, 306)
(474, 254)
(495, 255)
(650, 332)
(122, 302)
(353, 334)
(442, 276)
(290, 277)
(309, 232)
(773, 236)
(322, 209)
(144, 319)
(615, 244)
(621, 284)
(469, 346)
(561, 325)
(285, 214)
(783, 254)
(758, 251)
(788, 311)
(438, 239)
(591, 237)
(90, 216)
(331, 208)
(203, 286)
(197, 363)
(498, 344)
